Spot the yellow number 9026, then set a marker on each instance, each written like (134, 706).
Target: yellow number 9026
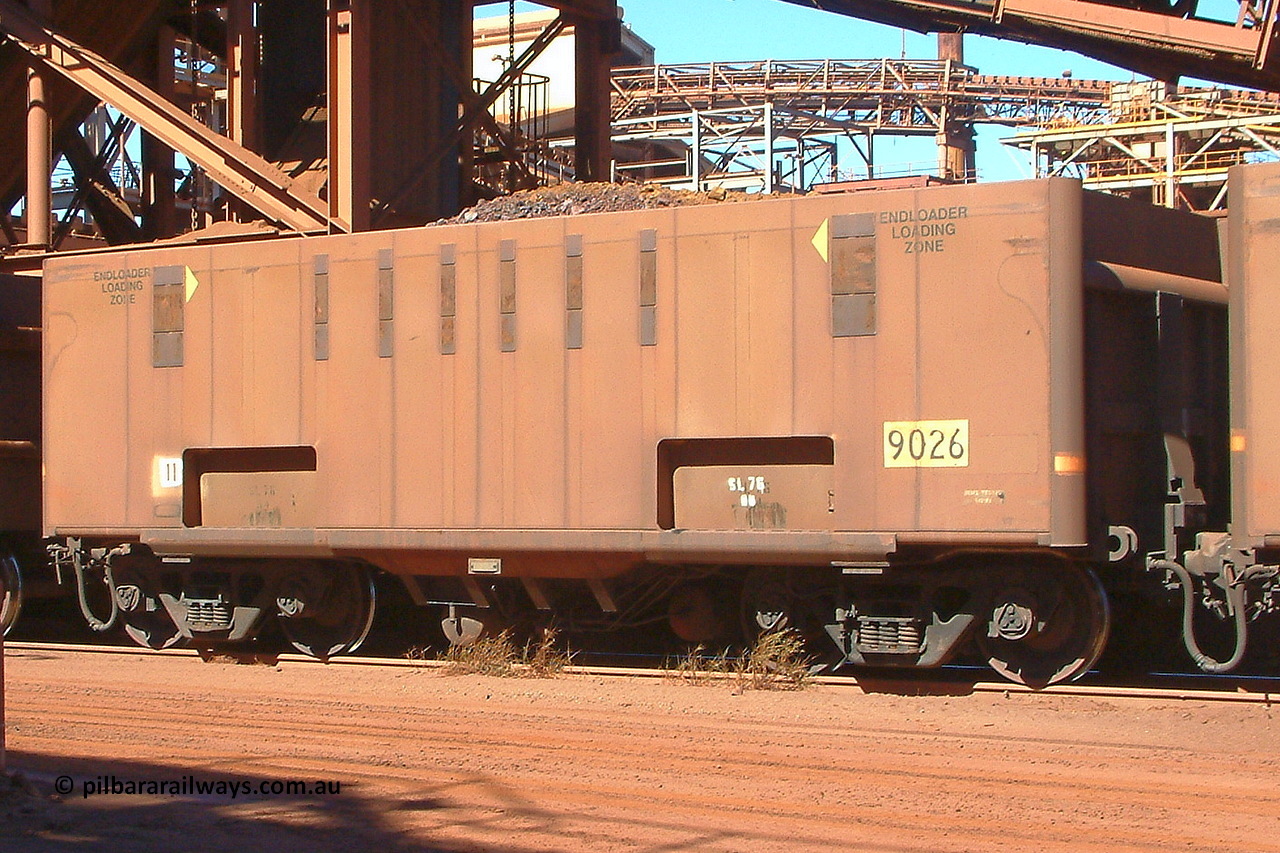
(926, 444)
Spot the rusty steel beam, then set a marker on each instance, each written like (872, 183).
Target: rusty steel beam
(599, 10)
(242, 49)
(1156, 43)
(96, 190)
(475, 111)
(595, 42)
(349, 50)
(237, 169)
(471, 101)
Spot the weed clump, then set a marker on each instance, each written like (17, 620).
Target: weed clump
(775, 661)
(499, 656)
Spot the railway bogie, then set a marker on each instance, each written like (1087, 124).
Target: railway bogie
(716, 420)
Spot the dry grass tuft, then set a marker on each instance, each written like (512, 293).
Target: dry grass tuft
(499, 656)
(495, 655)
(776, 661)
(698, 668)
(544, 660)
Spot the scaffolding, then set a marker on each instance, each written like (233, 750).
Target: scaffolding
(779, 126)
(1172, 147)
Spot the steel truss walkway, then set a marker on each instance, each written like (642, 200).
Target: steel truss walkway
(736, 116)
(721, 123)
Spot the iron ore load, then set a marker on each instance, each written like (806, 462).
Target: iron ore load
(905, 424)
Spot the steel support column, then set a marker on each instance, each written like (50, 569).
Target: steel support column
(377, 146)
(159, 215)
(243, 119)
(39, 208)
(768, 148)
(348, 100)
(595, 41)
(695, 152)
(957, 149)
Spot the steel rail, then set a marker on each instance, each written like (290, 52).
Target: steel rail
(865, 684)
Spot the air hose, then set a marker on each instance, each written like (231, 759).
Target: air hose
(95, 623)
(1235, 597)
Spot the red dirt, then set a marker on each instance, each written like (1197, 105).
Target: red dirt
(582, 763)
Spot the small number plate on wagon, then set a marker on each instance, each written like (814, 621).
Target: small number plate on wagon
(926, 444)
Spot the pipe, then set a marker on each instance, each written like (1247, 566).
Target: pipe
(1103, 275)
(39, 210)
(1235, 595)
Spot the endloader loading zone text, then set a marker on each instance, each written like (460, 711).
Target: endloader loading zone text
(923, 231)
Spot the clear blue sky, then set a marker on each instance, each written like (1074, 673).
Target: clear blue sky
(706, 30)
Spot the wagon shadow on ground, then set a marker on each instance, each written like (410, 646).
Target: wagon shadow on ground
(915, 683)
(35, 819)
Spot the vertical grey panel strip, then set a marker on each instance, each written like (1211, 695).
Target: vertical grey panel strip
(507, 293)
(320, 288)
(167, 320)
(853, 275)
(386, 304)
(648, 287)
(448, 299)
(573, 291)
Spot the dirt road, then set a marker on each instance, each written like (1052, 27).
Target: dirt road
(412, 760)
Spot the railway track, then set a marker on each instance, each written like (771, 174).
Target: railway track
(947, 681)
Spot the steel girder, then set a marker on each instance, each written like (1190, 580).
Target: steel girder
(237, 169)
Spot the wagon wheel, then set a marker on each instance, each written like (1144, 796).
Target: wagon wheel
(10, 591)
(1047, 625)
(144, 618)
(327, 610)
(768, 604)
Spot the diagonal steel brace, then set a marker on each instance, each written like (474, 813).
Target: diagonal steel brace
(237, 169)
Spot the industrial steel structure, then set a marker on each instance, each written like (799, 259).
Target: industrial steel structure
(305, 128)
(735, 117)
(1171, 146)
(315, 134)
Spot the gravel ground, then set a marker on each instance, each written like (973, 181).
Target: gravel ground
(430, 762)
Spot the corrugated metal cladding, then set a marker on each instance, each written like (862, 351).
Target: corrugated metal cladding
(853, 275)
(167, 319)
(320, 292)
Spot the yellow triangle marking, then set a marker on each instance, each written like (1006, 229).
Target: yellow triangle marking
(820, 239)
(191, 282)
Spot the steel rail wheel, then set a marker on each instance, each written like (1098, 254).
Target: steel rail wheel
(327, 609)
(1048, 624)
(10, 591)
(144, 618)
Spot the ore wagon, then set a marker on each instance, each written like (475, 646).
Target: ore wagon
(903, 423)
